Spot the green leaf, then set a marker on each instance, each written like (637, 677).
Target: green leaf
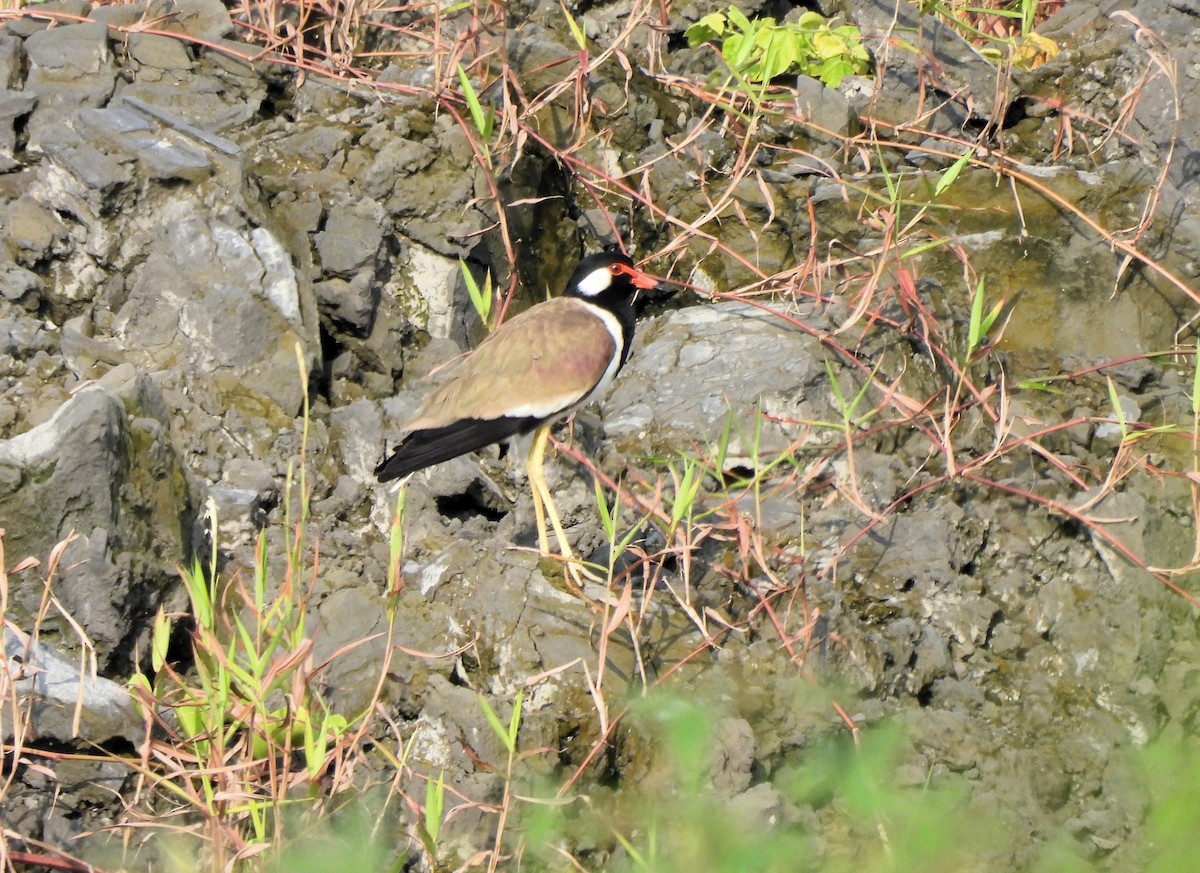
(1118, 410)
(514, 723)
(707, 29)
(161, 640)
(435, 796)
(497, 726)
(198, 594)
(949, 177)
(742, 23)
(483, 119)
(481, 298)
(576, 31)
(783, 51)
(975, 328)
(607, 516)
(1196, 383)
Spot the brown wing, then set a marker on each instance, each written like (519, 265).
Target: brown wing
(535, 366)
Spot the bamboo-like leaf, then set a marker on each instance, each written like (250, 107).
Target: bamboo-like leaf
(483, 119)
(975, 328)
(576, 31)
(1196, 383)
(481, 298)
(952, 174)
(494, 720)
(607, 516)
(161, 640)
(514, 723)
(1118, 410)
(435, 798)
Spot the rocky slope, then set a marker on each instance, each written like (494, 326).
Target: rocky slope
(185, 233)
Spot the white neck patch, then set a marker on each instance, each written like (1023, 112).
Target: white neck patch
(596, 282)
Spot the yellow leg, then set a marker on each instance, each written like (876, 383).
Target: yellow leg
(543, 503)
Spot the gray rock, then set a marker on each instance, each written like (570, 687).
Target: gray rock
(19, 285)
(161, 155)
(691, 369)
(351, 238)
(823, 108)
(63, 703)
(352, 304)
(11, 60)
(161, 52)
(396, 157)
(205, 19)
(537, 55)
(33, 230)
(359, 436)
(70, 67)
(175, 122)
(732, 756)
(105, 470)
(87, 356)
(100, 175)
(217, 298)
(947, 62)
(25, 26)
(13, 106)
(203, 98)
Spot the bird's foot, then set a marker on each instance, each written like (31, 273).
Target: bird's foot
(588, 582)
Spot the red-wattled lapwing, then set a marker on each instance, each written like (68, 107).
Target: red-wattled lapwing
(528, 374)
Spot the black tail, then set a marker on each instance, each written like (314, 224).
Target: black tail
(424, 448)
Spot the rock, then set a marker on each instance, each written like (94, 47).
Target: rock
(692, 369)
(93, 178)
(70, 67)
(32, 229)
(351, 238)
(949, 63)
(50, 687)
(351, 304)
(439, 282)
(20, 285)
(538, 57)
(732, 756)
(14, 105)
(161, 156)
(161, 52)
(204, 19)
(11, 59)
(823, 108)
(105, 471)
(396, 157)
(219, 298)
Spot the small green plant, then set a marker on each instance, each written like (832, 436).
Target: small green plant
(758, 50)
(481, 298)
(508, 737)
(980, 324)
(241, 723)
(484, 118)
(430, 826)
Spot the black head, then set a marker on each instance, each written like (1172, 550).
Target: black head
(606, 278)
(610, 280)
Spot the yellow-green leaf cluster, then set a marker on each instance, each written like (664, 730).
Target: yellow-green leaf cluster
(760, 49)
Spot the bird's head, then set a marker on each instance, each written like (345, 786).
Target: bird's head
(609, 274)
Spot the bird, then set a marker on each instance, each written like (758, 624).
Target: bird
(527, 375)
